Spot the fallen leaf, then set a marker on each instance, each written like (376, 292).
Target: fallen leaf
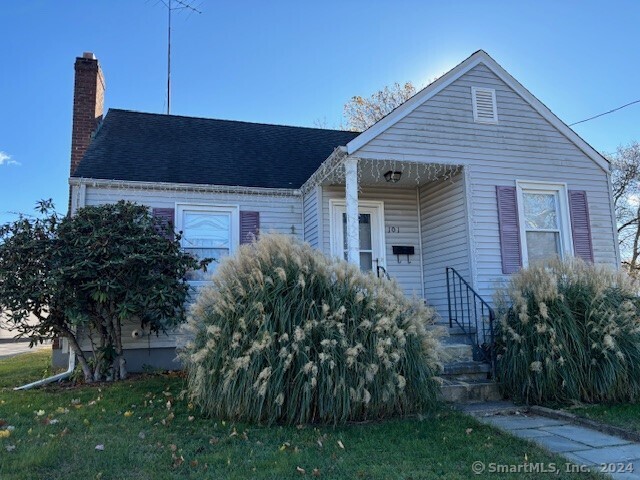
(177, 461)
(169, 405)
(315, 472)
(468, 431)
(190, 418)
(128, 413)
(340, 444)
(64, 432)
(10, 448)
(5, 433)
(301, 471)
(214, 440)
(194, 463)
(100, 447)
(40, 413)
(320, 443)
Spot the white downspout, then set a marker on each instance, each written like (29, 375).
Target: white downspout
(54, 378)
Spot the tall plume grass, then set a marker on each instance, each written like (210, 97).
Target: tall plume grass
(286, 335)
(569, 332)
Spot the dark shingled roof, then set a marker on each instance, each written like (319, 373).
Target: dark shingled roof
(168, 148)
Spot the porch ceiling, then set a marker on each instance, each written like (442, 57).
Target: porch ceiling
(371, 172)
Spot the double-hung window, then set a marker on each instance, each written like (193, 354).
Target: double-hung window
(545, 228)
(208, 231)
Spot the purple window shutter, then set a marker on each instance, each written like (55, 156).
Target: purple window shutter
(249, 226)
(165, 218)
(580, 225)
(509, 226)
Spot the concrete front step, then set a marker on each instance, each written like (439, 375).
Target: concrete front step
(456, 352)
(453, 334)
(466, 371)
(458, 391)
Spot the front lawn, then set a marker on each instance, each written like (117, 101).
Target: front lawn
(141, 429)
(624, 415)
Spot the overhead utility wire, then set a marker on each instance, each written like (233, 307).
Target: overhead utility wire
(605, 113)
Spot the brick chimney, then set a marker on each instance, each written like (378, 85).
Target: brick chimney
(88, 104)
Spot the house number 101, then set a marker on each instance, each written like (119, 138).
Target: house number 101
(393, 229)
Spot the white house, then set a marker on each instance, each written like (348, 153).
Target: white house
(473, 173)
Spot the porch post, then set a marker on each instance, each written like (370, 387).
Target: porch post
(353, 225)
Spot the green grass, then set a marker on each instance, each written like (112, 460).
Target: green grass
(624, 415)
(57, 430)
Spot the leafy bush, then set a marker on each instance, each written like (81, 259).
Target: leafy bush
(82, 277)
(285, 334)
(569, 331)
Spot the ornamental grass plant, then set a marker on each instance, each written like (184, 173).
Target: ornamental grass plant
(286, 335)
(569, 332)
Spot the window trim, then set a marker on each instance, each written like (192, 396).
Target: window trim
(477, 119)
(562, 192)
(233, 210)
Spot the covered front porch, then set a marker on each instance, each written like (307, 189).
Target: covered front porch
(405, 220)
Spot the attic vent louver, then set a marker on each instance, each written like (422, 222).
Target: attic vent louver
(484, 105)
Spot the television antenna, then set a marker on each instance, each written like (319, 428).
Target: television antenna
(172, 5)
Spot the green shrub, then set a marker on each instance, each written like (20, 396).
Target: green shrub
(285, 334)
(569, 332)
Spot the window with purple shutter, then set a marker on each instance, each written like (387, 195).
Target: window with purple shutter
(166, 220)
(509, 229)
(249, 226)
(580, 225)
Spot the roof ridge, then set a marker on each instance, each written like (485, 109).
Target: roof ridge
(230, 121)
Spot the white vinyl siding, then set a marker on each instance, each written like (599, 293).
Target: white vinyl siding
(401, 214)
(445, 239)
(277, 214)
(311, 222)
(522, 146)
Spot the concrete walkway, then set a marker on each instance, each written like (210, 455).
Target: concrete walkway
(582, 446)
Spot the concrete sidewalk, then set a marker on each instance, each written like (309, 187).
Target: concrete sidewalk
(10, 349)
(582, 446)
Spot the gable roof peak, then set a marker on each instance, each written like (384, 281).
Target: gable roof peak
(480, 56)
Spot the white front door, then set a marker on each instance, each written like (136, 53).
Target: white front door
(371, 234)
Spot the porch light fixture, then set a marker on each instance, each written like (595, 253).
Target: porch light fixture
(392, 177)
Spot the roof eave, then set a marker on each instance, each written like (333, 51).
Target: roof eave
(168, 186)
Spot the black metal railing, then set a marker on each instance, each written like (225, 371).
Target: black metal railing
(473, 315)
(382, 272)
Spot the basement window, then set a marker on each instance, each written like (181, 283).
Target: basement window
(484, 105)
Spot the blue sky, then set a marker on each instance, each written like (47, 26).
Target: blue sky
(294, 63)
